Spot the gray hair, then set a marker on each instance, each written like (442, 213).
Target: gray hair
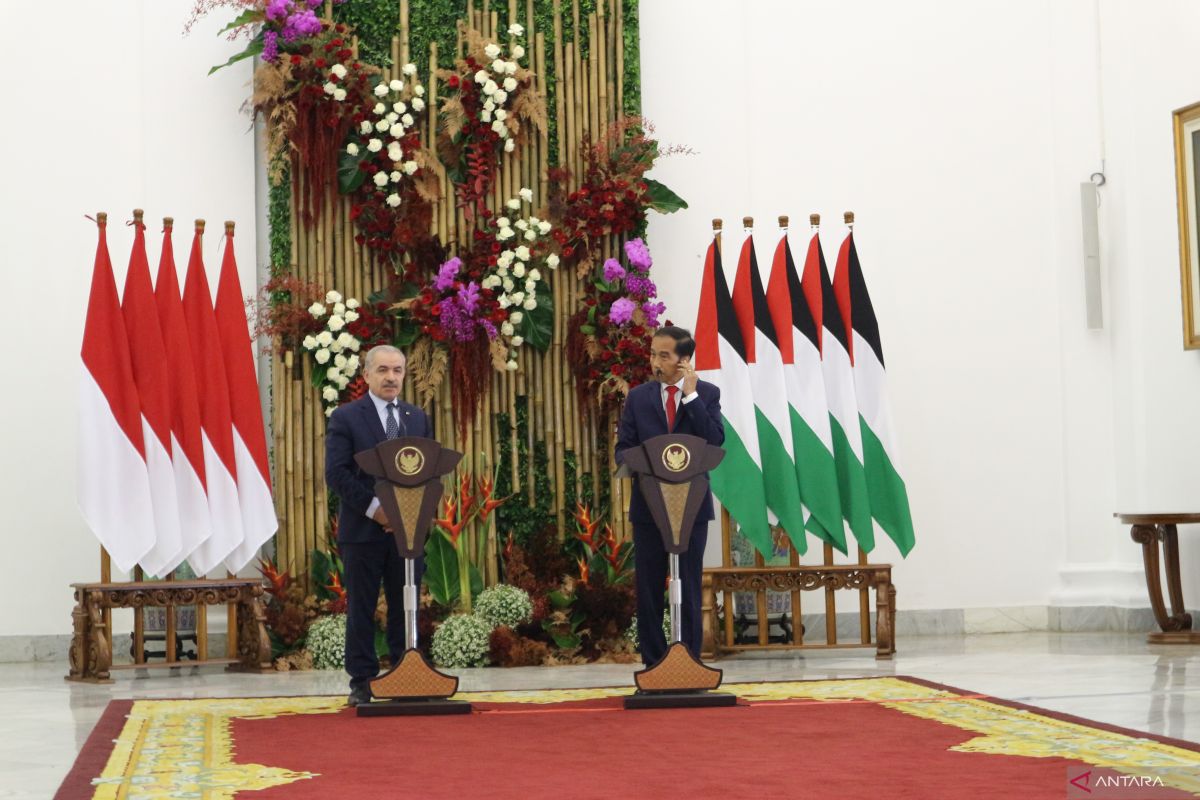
(381, 348)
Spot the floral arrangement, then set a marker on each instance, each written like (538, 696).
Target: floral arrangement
(490, 105)
(457, 558)
(461, 641)
(326, 641)
(631, 633)
(504, 605)
(608, 339)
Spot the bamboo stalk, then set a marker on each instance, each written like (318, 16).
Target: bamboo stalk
(405, 34)
(620, 59)
(289, 461)
(603, 79)
(595, 77)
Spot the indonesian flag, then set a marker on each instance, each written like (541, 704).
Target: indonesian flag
(149, 359)
(113, 486)
(187, 442)
(889, 497)
(812, 438)
(769, 391)
(721, 359)
(220, 461)
(249, 439)
(838, 372)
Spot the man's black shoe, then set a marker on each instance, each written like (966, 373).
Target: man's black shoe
(359, 695)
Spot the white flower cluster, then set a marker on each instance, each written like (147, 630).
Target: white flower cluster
(497, 81)
(397, 102)
(461, 641)
(335, 350)
(514, 278)
(326, 641)
(504, 605)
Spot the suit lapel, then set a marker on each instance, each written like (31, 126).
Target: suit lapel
(659, 407)
(372, 419)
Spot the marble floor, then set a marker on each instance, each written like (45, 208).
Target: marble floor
(1110, 677)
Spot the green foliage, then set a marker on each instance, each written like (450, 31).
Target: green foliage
(350, 177)
(461, 641)
(255, 48)
(537, 326)
(435, 21)
(632, 635)
(570, 471)
(519, 515)
(375, 22)
(326, 641)
(662, 199)
(441, 570)
(504, 605)
(632, 101)
(563, 625)
(324, 567)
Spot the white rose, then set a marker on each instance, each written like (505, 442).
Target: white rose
(339, 94)
(310, 343)
(501, 115)
(352, 363)
(515, 30)
(502, 271)
(394, 152)
(329, 394)
(410, 167)
(504, 302)
(366, 127)
(522, 224)
(552, 260)
(375, 145)
(498, 66)
(526, 195)
(352, 303)
(352, 149)
(410, 69)
(516, 317)
(419, 90)
(330, 88)
(517, 341)
(339, 360)
(392, 118)
(485, 116)
(503, 222)
(382, 125)
(396, 85)
(407, 120)
(396, 175)
(489, 105)
(399, 108)
(393, 200)
(505, 258)
(396, 131)
(507, 329)
(343, 382)
(490, 87)
(333, 375)
(335, 297)
(350, 317)
(519, 270)
(490, 282)
(517, 297)
(543, 227)
(381, 179)
(336, 324)
(505, 233)
(511, 366)
(324, 338)
(418, 104)
(316, 309)
(509, 145)
(381, 90)
(355, 345)
(531, 287)
(535, 274)
(492, 50)
(517, 51)
(508, 285)
(500, 96)
(511, 68)
(339, 70)
(329, 411)
(530, 234)
(530, 303)
(523, 253)
(510, 83)
(344, 339)
(482, 76)
(322, 356)
(514, 204)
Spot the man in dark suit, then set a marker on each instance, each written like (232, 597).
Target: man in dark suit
(676, 402)
(369, 553)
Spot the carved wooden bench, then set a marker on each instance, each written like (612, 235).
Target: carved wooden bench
(92, 645)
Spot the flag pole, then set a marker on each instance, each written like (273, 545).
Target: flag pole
(814, 220)
(848, 218)
(783, 222)
(231, 626)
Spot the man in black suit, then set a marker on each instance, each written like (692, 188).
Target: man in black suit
(675, 402)
(369, 553)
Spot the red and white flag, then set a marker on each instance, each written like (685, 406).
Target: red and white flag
(220, 467)
(249, 439)
(149, 359)
(113, 487)
(187, 444)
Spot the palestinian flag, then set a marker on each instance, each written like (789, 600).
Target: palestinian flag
(838, 372)
(812, 438)
(769, 391)
(885, 486)
(720, 359)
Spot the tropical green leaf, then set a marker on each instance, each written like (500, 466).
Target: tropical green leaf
(560, 600)
(350, 177)
(566, 641)
(476, 581)
(253, 49)
(245, 18)
(441, 569)
(662, 199)
(381, 644)
(537, 326)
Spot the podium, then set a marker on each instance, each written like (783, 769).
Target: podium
(671, 472)
(408, 473)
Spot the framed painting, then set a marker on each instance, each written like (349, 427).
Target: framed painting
(1187, 190)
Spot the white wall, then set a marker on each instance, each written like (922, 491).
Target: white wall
(113, 112)
(958, 133)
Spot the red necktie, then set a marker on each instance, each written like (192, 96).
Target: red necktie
(671, 390)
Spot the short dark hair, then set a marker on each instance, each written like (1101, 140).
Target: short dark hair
(685, 345)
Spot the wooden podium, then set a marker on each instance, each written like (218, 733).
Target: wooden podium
(408, 473)
(672, 475)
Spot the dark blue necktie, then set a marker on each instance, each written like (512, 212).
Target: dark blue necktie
(392, 430)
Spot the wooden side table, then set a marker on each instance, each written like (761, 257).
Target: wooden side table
(1148, 530)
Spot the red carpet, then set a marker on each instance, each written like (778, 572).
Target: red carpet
(782, 748)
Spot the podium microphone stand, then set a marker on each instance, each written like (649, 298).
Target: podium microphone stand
(671, 472)
(408, 473)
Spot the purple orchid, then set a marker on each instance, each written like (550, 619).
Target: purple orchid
(270, 50)
(640, 286)
(622, 311)
(653, 311)
(468, 297)
(638, 255)
(278, 9)
(613, 271)
(447, 273)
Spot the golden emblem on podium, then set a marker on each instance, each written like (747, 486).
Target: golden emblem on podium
(409, 460)
(676, 458)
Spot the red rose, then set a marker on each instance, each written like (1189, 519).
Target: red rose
(295, 59)
(453, 82)
(320, 62)
(337, 42)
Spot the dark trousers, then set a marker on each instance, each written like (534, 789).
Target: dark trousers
(650, 560)
(366, 565)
